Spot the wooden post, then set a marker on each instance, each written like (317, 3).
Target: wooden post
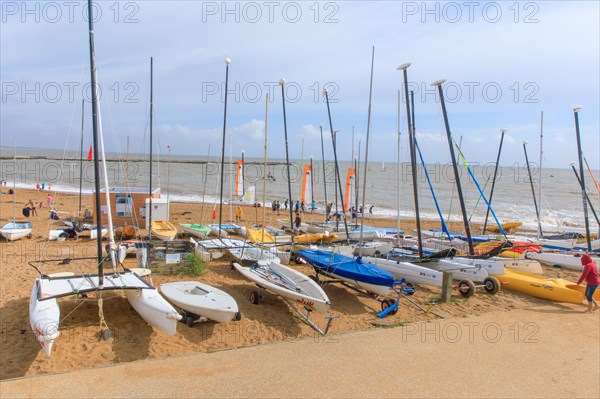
(446, 286)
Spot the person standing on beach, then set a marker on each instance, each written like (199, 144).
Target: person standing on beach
(50, 199)
(285, 204)
(31, 207)
(239, 213)
(297, 223)
(590, 274)
(38, 187)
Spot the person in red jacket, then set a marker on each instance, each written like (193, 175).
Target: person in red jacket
(590, 274)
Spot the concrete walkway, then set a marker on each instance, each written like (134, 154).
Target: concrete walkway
(547, 351)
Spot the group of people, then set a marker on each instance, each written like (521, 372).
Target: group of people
(42, 186)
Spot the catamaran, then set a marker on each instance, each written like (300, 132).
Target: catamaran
(44, 311)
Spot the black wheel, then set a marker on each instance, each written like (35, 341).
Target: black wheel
(466, 288)
(393, 301)
(411, 291)
(254, 297)
(189, 321)
(491, 285)
(232, 267)
(62, 237)
(377, 253)
(238, 316)
(386, 303)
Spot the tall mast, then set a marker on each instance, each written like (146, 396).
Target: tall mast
(487, 213)
(576, 109)
(15, 180)
(439, 83)
(364, 190)
(324, 171)
(227, 62)
(540, 178)
(337, 169)
(398, 168)
(95, 121)
(81, 161)
(149, 211)
(264, 196)
(537, 211)
(413, 158)
(586, 195)
(287, 155)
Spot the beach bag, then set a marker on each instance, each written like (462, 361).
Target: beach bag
(26, 211)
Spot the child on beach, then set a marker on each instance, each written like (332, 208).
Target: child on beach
(239, 213)
(590, 274)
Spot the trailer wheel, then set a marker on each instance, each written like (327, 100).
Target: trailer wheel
(466, 288)
(393, 301)
(231, 264)
(386, 303)
(62, 237)
(238, 316)
(412, 287)
(254, 297)
(491, 285)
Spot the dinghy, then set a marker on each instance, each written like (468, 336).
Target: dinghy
(195, 229)
(287, 283)
(353, 271)
(201, 300)
(567, 261)
(164, 230)
(15, 230)
(413, 274)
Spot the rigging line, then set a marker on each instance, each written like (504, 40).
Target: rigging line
(444, 227)
(479, 198)
(464, 161)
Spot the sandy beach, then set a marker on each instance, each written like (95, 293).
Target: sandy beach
(558, 364)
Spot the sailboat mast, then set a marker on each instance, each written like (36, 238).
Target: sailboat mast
(586, 195)
(81, 161)
(455, 167)
(398, 177)
(94, 88)
(264, 196)
(487, 213)
(337, 169)
(413, 158)
(324, 171)
(540, 166)
(287, 155)
(14, 179)
(576, 109)
(312, 186)
(227, 62)
(537, 212)
(362, 219)
(149, 211)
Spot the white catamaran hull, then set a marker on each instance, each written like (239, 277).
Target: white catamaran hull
(44, 318)
(153, 308)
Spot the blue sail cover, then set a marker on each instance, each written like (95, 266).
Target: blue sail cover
(350, 268)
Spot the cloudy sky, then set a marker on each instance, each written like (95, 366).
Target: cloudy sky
(504, 62)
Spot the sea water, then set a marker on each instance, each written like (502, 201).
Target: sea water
(197, 179)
